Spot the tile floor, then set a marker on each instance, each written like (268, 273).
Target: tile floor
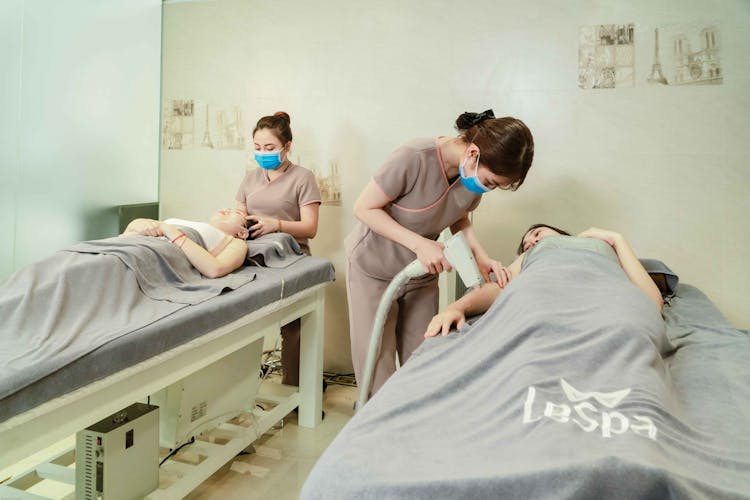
(284, 456)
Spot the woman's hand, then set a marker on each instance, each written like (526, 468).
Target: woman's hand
(169, 231)
(441, 323)
(262, 225)
(430, 254)
(609, 237)
(487, 265)
(145, 227)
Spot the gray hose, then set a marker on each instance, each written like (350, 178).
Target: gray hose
(413, 270)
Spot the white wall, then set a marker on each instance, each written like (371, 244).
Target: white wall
(666, 166)
(80, 128)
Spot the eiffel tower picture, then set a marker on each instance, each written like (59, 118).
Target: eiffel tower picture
(656, 75)
(207, 142)
(687, 54)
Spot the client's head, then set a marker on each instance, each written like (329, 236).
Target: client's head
(535, 233)
(232, 222)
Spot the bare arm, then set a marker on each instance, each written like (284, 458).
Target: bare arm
(307, 227)
(230, 258)
(475, 302)
(629, 262)
(369, 209)
(484, 262)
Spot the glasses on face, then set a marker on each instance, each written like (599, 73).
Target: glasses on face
(510, 187)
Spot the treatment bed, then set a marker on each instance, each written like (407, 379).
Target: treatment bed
(176, 338)
(570, 386)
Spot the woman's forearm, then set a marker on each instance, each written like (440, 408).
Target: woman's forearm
(208, 265)
(628, 261)
(467, 227)
(298, 229)
(379, 221)
(478, 300)
(306, 227)
(635, 271)
(369, 208)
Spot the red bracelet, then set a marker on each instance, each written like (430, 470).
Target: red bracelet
(177, 237)
(182, 243)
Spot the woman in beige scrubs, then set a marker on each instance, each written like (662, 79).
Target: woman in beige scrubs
(424, 187)
(280, 197)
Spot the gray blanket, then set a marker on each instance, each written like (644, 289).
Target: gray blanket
(60, 308)
(277, 250)
(570, 386)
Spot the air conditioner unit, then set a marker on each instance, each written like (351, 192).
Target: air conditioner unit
(118, 457)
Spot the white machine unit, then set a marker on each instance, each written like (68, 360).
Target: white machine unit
(212, 395)
(118, 457)
(459, 254)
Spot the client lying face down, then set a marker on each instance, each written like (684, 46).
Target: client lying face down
(224, 236)
(480, 299)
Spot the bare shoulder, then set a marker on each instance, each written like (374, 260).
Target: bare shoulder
(238, 244)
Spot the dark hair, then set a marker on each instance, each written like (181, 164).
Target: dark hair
(505, 144)
(519, 250)
(279, 123)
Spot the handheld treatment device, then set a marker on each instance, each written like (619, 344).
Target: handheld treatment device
(458, 253)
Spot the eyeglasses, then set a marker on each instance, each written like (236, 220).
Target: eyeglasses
(510, 187)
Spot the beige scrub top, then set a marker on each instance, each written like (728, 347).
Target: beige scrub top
(280, 198)
(423, 200)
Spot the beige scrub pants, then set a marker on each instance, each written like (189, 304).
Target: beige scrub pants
(414, 306)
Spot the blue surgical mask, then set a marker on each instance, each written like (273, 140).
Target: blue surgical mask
(472, 183)
(268, 160)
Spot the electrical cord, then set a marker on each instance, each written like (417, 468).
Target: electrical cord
(171, 453)
(254, 424)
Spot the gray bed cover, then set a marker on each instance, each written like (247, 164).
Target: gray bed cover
(570, 386)
(130, 325)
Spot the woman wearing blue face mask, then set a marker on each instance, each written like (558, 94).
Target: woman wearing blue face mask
(280, 197)
(425, 186)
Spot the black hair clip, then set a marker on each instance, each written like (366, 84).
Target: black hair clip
(468, 119)
(485, 115)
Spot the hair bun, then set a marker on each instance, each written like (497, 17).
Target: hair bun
(283, 115)
(467, 119)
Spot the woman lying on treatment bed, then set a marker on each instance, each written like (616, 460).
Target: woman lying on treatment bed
(224, 237)
(479, 300)
(570, 385)
(58, 309)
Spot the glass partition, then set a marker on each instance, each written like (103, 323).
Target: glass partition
(10, 61)
(80, 132)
